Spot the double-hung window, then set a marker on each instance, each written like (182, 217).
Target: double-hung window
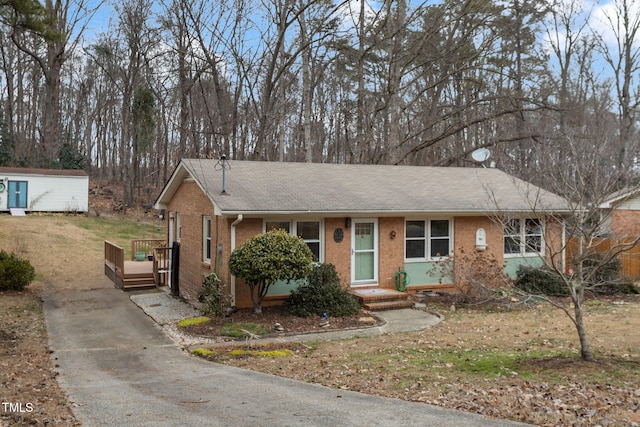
(309, 231)
(427, 239)
(206, 239)
(523, 236)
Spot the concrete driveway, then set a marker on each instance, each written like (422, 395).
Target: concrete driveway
(120, 369)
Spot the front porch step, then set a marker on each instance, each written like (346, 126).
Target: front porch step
(388, 305)
(376, 299)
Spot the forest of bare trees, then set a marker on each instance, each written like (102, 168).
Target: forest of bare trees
(126, 89)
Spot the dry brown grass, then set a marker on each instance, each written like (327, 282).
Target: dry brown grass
(522, 365)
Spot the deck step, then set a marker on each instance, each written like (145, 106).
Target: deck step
(138, 281)
(377, 299)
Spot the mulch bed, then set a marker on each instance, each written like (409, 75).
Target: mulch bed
(290, 323)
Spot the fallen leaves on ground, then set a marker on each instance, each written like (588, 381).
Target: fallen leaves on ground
(543, 380)
(29, 391)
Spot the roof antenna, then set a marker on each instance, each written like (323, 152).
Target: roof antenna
(224, 165)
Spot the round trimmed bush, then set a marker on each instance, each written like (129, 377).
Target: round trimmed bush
(15, 273)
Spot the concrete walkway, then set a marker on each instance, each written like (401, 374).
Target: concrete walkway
(120, 368)
(165, 310)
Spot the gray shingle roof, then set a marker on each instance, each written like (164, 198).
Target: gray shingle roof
(274, 187)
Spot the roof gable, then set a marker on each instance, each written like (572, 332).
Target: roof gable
(275, 187)
(621, 197)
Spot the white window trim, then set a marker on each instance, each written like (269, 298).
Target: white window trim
(523, 246)
(178, 226)
(293, 229)
(427, 238)
(205, 238)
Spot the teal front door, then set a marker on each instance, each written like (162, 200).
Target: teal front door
(17, 194)
(364, 252)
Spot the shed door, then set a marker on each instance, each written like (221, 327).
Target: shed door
(17, 194)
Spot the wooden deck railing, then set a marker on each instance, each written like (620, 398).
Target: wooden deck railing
(145, 246)
(161, 257)
(114, 254)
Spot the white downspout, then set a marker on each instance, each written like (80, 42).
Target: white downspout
(233, 246)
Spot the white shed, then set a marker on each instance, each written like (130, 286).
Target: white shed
(44, 190)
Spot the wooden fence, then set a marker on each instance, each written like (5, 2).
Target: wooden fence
(629, 260)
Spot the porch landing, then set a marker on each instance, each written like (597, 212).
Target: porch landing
(377, 299)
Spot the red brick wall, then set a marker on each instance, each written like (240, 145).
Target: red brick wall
(391, 253)
(338, 254)
(625, 223)
(192, 205)
(464, 235)
(553, 240)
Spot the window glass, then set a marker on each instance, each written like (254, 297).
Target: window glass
(523, 236)
(419, 246)
(534, 244)
(533, 226)
(415, 229)
(512, 227)
(178, 226)
(439, 238)
(206, 238)
(511, 244)
(440, 228)
(315, 250)
(415, 240)
(309, 231)
(278, 225)
(415, 248)
(533, 235)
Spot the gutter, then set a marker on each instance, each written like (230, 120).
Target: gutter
(237, 221)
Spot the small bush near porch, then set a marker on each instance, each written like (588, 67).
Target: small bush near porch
(322, 294)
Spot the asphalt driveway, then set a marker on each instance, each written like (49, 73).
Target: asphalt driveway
(120, 368)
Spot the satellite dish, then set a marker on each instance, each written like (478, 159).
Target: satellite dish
(480, 155)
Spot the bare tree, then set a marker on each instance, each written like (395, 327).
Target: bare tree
(585, 188)
(65, 23)
(622, 54)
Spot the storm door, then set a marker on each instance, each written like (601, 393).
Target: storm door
(364, 252)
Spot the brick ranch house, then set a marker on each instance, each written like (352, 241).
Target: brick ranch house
(370, 221)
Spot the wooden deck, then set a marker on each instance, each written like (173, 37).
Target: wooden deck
(133, 274)
(138, 267)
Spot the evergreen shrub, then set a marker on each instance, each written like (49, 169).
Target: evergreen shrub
(15, 273)
(322, 294)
